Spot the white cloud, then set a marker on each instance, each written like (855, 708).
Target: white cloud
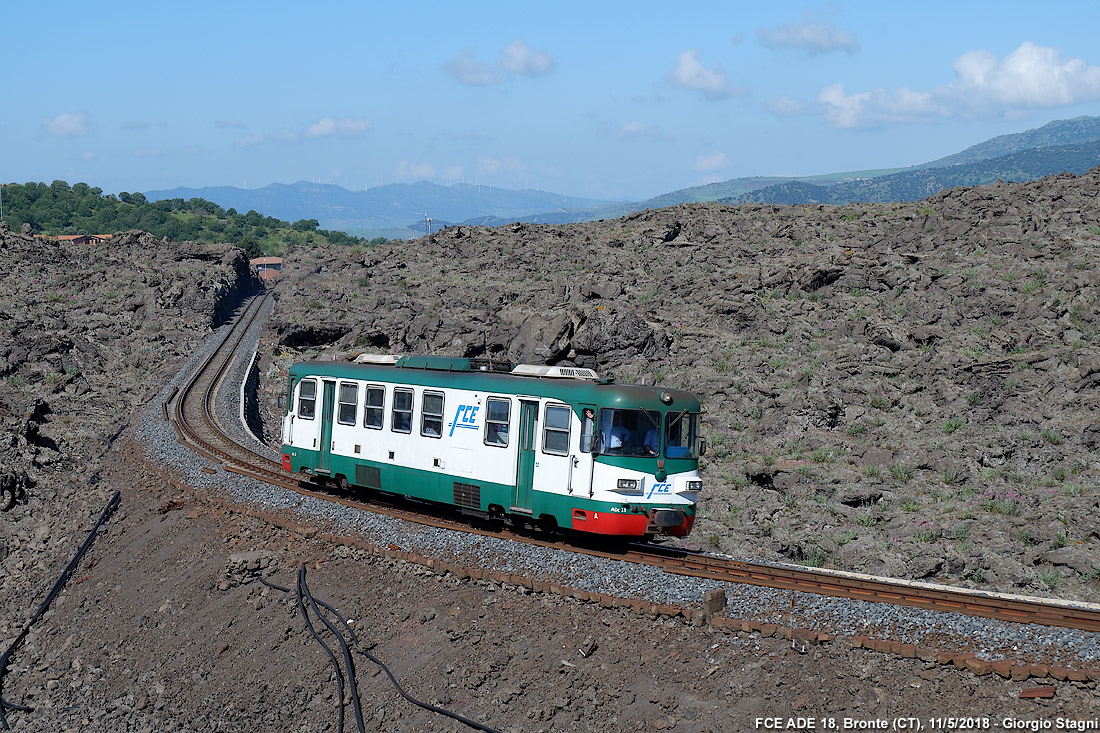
(1030, 77)
(491, 166)
(519, 58)
(865, 109)
(470, 71)
(637, 129)
(250, 141)
(68, 124)
(710, 163)
(324, 127)
(785, 107)
(161, 152)
(467, 135)
(419, 171)
(814, 38)
(689, 73)
(343, 127)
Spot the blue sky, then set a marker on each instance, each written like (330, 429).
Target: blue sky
(609, 100)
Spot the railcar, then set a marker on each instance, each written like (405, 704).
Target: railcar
(556, 446)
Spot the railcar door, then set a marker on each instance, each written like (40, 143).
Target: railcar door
(528, 424)
(324, 463)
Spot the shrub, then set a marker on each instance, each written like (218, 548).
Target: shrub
(814, 557)
(1002, 505)
(846, 536)
(1051, 578)
(901, 472)
(952, 424)
(867, 519)
(976, 575)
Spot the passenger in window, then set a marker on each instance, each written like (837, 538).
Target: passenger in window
(651, 442)
(431, 430)
(618, 436)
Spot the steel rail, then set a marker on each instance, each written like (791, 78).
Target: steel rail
(240, 459)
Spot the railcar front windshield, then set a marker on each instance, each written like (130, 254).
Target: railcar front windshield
(639, 433)
(629, 432)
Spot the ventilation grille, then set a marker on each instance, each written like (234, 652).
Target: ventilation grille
(368, 476)
(467, 495)
(559, 372)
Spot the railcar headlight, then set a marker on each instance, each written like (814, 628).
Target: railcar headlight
(694, 485)
(629, 484)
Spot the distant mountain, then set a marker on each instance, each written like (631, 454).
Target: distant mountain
(396, 208)
(737, 186)
(1057, 133)
(1025, 165)
(399, 210)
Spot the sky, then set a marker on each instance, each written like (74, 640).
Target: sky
(607, 100)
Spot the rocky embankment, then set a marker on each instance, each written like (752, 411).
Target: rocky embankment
(903, 389)
(87, 334)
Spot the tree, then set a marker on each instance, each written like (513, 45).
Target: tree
(251, 248)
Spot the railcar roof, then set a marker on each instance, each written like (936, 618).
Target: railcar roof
(602, 392)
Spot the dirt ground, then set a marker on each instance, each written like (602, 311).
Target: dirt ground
(159, 635)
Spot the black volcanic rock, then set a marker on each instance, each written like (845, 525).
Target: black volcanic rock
(918, 377)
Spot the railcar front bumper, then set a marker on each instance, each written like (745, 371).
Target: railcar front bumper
(674, 522)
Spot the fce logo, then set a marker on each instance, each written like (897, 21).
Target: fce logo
(465, 417)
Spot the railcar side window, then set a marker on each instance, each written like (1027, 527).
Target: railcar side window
(402, 410)
(307, 399)
(431, 415)
(496, 421)
(349, 403)
(588, 430)
(376, 402)
(555, 432)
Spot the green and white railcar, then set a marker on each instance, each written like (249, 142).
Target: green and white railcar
(556, 445)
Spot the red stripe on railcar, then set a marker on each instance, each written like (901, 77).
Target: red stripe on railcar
(610, 523)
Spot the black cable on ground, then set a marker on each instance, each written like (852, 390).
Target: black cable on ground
(427, 706)
(349, 663)
(112, 504)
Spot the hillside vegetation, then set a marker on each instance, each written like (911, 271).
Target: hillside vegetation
(59, 209)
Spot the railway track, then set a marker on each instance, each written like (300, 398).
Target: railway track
(193, 419)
